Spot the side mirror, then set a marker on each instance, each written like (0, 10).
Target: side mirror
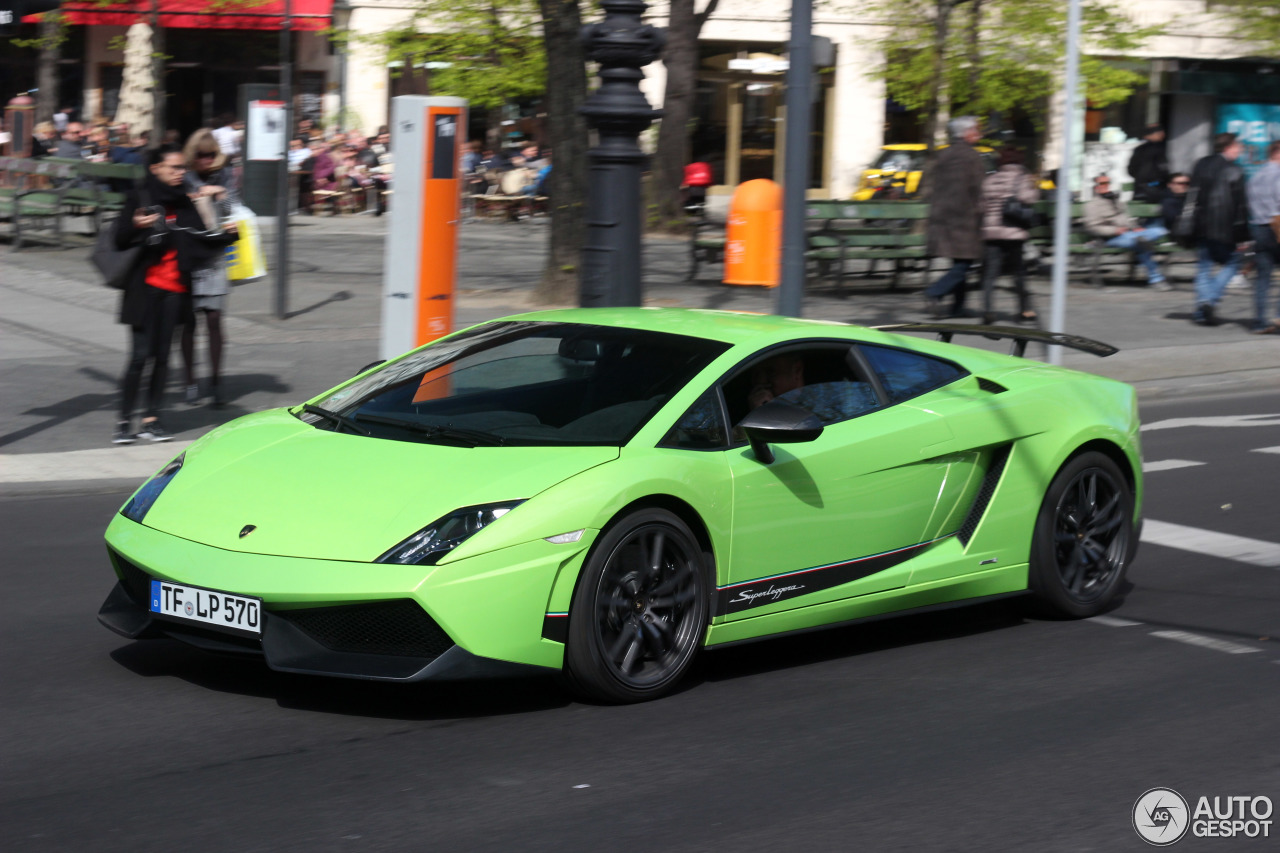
(781, 423)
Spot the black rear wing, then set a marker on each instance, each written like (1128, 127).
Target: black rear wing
(1020, 337)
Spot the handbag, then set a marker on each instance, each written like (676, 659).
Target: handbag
(115, 264)
(1184, 229)
(1017, 214)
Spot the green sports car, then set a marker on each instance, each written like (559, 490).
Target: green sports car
(604, 492)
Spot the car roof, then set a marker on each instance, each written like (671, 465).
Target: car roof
(731, 327)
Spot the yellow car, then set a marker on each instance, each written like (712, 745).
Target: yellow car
(898, 168)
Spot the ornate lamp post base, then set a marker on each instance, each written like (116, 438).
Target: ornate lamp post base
(619, 112)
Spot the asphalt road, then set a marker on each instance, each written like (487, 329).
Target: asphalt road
(974, 729)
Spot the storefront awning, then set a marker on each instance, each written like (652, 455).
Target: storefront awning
(308, 15)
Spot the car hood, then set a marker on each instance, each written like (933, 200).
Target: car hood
(316, 493)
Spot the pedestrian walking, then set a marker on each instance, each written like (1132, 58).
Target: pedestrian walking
(1003, 237)
(207, 180)
(1107, 217)
(1220, 220)
(1264, 223)
(163, 219)
(1149, 165)
(955, 214)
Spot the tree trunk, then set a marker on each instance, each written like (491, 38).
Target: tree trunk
(157, 78)
(940, 31)
(567, 134)
(972, 105)
(47, 68)
(681, 60)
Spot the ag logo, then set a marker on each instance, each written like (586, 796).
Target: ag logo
(1161, 817)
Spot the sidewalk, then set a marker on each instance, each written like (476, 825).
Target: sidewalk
(61, 351)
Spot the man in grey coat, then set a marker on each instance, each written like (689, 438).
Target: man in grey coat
(955, 213)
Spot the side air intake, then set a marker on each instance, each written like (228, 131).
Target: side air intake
(994, 470)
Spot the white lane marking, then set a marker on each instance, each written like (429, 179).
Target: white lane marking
(1252, 551)
(1168, 465)
(1205, 642)
(1112, 621)
(130, 462)
(1266, 450)
(1215, 421)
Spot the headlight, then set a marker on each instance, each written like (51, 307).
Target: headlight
(428, 545)
(138, 505)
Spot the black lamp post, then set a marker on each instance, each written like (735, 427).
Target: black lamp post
(619, 112)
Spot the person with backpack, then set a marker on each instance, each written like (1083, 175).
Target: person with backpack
(1219, 214)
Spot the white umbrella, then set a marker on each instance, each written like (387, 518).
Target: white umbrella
(136, 99)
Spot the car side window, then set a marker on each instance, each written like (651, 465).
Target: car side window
(701, 427)
(825, 380)
(908, 374)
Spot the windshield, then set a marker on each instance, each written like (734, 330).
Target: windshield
(521, 383)
(899, 161)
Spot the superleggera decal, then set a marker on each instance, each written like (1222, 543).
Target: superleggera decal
(757, 593)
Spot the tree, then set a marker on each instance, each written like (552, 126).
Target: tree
(1007, 57)
(1256, 22)
(681, 59)
(567, 134)
(488, 52)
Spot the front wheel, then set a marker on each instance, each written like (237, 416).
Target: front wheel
(1084, 538)
(639, 611)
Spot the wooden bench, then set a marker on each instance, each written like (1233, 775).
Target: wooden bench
(32, 190)
(1095, 249)
(865, 231)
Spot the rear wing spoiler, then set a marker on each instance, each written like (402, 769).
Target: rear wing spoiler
(1020, 337)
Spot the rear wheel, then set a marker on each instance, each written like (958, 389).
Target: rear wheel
(639, 611)
(1084, 538)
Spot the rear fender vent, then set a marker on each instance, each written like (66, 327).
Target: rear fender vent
(994, 469)
(991, 387)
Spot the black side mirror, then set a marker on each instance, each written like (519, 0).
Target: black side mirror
(781, 423)
(370, 366)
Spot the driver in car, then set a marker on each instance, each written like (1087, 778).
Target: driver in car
(782, 378)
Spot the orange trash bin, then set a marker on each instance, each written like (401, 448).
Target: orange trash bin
(753, 238)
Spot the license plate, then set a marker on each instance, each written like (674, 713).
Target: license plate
(193, 604)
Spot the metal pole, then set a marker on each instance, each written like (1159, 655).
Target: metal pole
(795, 170)
(282, 179)
(619, 112)
(1062, 209)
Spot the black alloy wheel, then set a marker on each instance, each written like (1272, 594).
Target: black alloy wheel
(1084, 537)
(639, 611)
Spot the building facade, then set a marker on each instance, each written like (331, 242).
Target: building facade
(1201, 78)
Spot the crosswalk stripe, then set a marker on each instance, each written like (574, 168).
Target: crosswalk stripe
(1168, 465)
(1112, 621)
(1266, 450)
(1205, 642)
(1252, 551)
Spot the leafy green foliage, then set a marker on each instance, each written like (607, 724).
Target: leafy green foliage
(1256, 22)
(1020, 46)
(487, 51)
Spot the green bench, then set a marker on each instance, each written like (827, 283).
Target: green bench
(52, 188)
(1095, 249)
(31, 193)
(865, 231)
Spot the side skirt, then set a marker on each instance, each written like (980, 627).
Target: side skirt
(1004, 582)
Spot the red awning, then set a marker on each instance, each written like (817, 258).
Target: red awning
(309, 15)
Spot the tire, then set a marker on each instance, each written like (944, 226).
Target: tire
(1084, 538)
(639, 611)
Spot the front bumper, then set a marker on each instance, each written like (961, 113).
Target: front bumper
(478, 617)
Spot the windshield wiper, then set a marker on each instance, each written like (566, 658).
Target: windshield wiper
(471, 437)
(336, 419)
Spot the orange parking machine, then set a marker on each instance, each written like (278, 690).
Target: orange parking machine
(753, 238)
(427, 136)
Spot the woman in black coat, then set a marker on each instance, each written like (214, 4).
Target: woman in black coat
(157, 297)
